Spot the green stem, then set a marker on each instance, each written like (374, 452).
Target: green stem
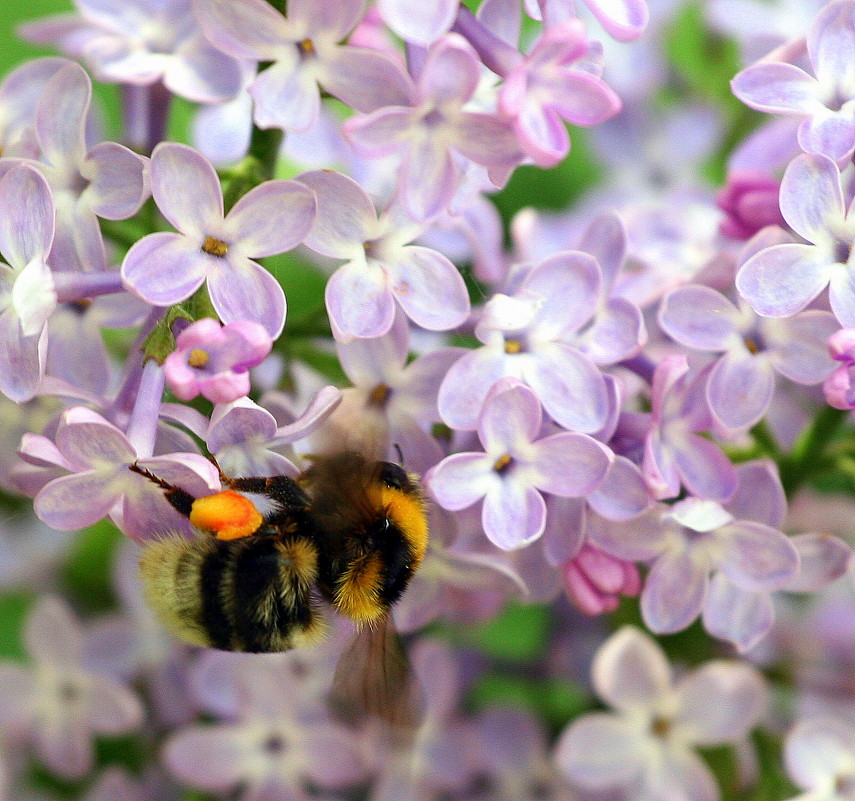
(257, 166)
(802, 461)
(765, 440)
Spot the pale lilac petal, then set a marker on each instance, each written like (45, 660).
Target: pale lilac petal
(630, 671)
(52, 634)
(513, 515)
(345, 218)
(286, 96)
(759, 496)
(164, 268)
(380, 133)
(565, 530)
(78, 243)
(119, 183)
(246, 291)
(238, 422)
(570, 387)
(740, 388)
(66, 749)
(811, 196)
(571, 465)
(625, 20)
(272, 218)
(783, 279)
(639, 539)
(451, 71)
(113, 707)
(699, 317)
(203, 73)
(659, 467)
(740, 616)
(212, 757)
(623, 493)
(186, 188)
(511, 417)
(776, 87)
(359, 301)
(757, 557)
(674, 592)
(252, 29)
(600, 751)
(347, 766)
(89, 441)
(461, 479)
(429, 178)
(683, 773)
(617, 333)
(582, 98)
(34, 297)
(720, 702)
(335, 18)
(798, 348)
(422, 23)
(704, 469)
(841, 296)
(61, 116)
(58, 503)
(366, 80)
(16, 695)
(27, 219)
(831, 45)
(817, 749)
(823, 558)
(429, 288)
(829, 133)
(462, 392)
(22, 359)
(368, 362)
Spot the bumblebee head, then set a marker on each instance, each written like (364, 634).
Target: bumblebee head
(381, 534)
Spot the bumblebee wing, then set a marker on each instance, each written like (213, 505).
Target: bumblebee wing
(373, 677)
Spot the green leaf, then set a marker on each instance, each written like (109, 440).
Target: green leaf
(88, 570)
(14, 607)
(519, 634)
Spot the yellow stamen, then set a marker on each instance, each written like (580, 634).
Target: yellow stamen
(215, 247)
(502, 463)
(198, 358)
(513, 346)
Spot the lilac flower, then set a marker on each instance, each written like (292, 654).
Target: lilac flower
(838, 387)
(382, 267)
(305, 53)
(166, 268)
(594, 580)
(107, 180)
(515, 467)
(525, 335)
(141, 42)
(429, 131)
(647, 745)
(674, 453)
(97, 455)
(62, 703)
(27, 293)
(820, 758)
(268, 751)
(214, 360)
(825, 102)
(749, 201)
(624, 20)
(740, 544)
(781, 280)
(742, 381)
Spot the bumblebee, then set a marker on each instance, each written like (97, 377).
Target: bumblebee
(270, 552)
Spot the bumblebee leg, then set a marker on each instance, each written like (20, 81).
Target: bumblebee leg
(281, 489)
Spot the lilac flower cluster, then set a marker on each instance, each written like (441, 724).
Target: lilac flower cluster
(628, 398)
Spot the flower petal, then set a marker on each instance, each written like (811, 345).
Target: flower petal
(461, 479)
(823, 558)
(513, 515)
(740, 388)
(570, 465)
(811, 196)
(26, 216)
(674, 592)
(246, 291)
(699, 317)
(739, 615)
(756, 556)
(421, 24)
(165, 268)
(359, 301)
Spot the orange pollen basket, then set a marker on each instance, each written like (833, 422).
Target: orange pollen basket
(228, 515)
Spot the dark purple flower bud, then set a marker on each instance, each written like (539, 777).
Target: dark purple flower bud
(749, 201)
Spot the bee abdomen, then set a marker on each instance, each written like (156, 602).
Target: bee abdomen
(251, 594)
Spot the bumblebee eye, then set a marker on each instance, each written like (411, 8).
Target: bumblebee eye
(394, 476)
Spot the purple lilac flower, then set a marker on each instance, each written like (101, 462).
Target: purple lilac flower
(382, 267)
(624, 20)
(820, 758)
(306, 57)
(740, 385)
(723, 561)
(268, 750)
(422, 23)
(60, 701)
(516, 467)
(27, 293)
(214, 360)
(749, 201)
(141, 42)
(166, 268)
(595, 580)
(107, 180)
(434, 127)
(781, 280)
(825, 102)
(646, 746)
(838, 388)
(97, 455)
(526, 336)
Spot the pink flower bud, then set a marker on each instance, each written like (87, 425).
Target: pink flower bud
(594, 580)
(841, 345)
(749, 201)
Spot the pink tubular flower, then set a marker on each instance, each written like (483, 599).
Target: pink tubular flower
(749, 201)
(594, 580)
(838, 387)
(214, 360)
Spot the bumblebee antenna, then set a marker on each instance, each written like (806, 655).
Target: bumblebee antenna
(179, 499)
(135, 468)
